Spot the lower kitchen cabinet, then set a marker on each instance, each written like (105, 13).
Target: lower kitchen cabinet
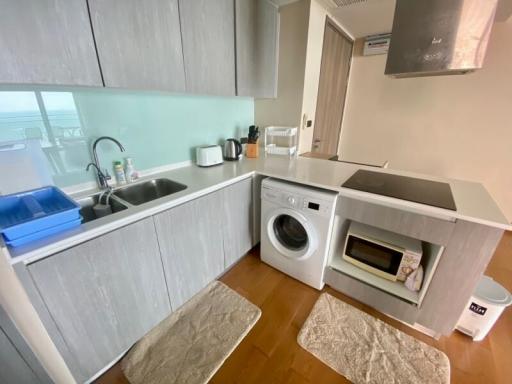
(100, 297)
(191, 244)
(104, 295)
(238, 227)
(18, 364)
(13, 369)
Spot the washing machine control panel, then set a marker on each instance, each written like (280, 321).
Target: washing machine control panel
(299, 202)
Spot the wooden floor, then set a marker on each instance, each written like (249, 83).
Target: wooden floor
(270, 353)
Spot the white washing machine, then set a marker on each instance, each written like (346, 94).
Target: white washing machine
(296, 226)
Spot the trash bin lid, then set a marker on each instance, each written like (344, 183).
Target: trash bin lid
(492, 292)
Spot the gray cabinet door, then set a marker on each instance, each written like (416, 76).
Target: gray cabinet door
(238, 227)
(208, 32)
(13, 369)
(257, 34)
(139, 43)
(104, 294)
(18, 364)
(191, 243)
(47, 42)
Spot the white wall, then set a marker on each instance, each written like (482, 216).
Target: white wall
(452, 126)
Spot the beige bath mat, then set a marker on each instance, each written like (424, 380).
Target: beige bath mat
(367, 350)
(191, 344)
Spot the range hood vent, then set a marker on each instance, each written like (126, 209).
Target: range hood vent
(439, 37)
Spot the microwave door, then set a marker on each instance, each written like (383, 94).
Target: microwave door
(375, 258)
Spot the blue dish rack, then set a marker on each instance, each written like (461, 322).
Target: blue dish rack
(35, 214)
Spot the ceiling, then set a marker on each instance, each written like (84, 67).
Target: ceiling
(376, 16)
(366, 18)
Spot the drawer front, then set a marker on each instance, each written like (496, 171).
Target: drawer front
(381, 301)
(421, 227)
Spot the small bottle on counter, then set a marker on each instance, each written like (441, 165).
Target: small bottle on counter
(129, 170)
(119, 172)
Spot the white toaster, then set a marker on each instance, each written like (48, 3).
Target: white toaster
(208, 155)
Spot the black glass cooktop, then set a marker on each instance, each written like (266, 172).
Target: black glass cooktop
(421, 191)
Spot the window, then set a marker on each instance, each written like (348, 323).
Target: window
(49, 121)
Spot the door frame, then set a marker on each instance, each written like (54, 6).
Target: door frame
(330, 22)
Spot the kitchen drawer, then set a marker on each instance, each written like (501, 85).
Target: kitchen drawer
(414, 225)
(375, 298)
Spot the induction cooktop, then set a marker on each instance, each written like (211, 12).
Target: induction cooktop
(421, 191)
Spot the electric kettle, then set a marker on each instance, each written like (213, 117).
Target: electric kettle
(232, 150)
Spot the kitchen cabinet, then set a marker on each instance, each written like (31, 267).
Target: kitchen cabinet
(103, 295)
(257, 35)
(18, 364)
(208, 35)
(139, 43)
(13, 369)
(47, 42)
(238, 225)
(98, 298)
(191, 244)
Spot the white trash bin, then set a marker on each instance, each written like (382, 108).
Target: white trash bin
(484, 308)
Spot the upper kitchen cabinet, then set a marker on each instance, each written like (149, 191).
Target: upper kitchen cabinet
(139, 43)
(257, 33)
(47, 42)
(208, 33)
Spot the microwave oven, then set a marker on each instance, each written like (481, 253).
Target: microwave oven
(383, 253)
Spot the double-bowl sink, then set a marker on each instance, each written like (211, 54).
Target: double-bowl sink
(123, 198)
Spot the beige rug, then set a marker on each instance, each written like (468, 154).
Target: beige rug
(191, 344)
(367, 350)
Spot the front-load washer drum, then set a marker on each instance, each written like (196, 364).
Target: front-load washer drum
(291, 234)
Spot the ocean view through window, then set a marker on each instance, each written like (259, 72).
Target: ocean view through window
(46, 125)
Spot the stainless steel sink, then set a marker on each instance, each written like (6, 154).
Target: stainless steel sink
(87, 204)
(143, 192)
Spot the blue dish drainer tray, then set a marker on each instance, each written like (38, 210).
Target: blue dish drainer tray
(34, 214)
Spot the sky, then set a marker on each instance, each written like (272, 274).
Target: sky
(19, 101)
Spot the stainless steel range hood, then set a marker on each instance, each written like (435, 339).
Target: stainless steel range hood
(439, 37)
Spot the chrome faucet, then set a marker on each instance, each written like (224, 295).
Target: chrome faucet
(103, 176)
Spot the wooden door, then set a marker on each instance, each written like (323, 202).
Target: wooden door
(208, 35)
(104, 294)
(237, 204)
(47, 42)
(336, 58)
(139, 43)
(191, 243)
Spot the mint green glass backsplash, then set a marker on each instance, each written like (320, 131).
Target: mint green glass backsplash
(155, 128)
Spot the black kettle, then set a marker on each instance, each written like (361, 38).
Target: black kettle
(232, 150)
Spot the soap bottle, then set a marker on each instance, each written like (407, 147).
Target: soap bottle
(119, 172)
(129, 170)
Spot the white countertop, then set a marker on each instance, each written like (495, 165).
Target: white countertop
(472, 200)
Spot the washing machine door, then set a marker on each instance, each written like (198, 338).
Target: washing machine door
(291, 234)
